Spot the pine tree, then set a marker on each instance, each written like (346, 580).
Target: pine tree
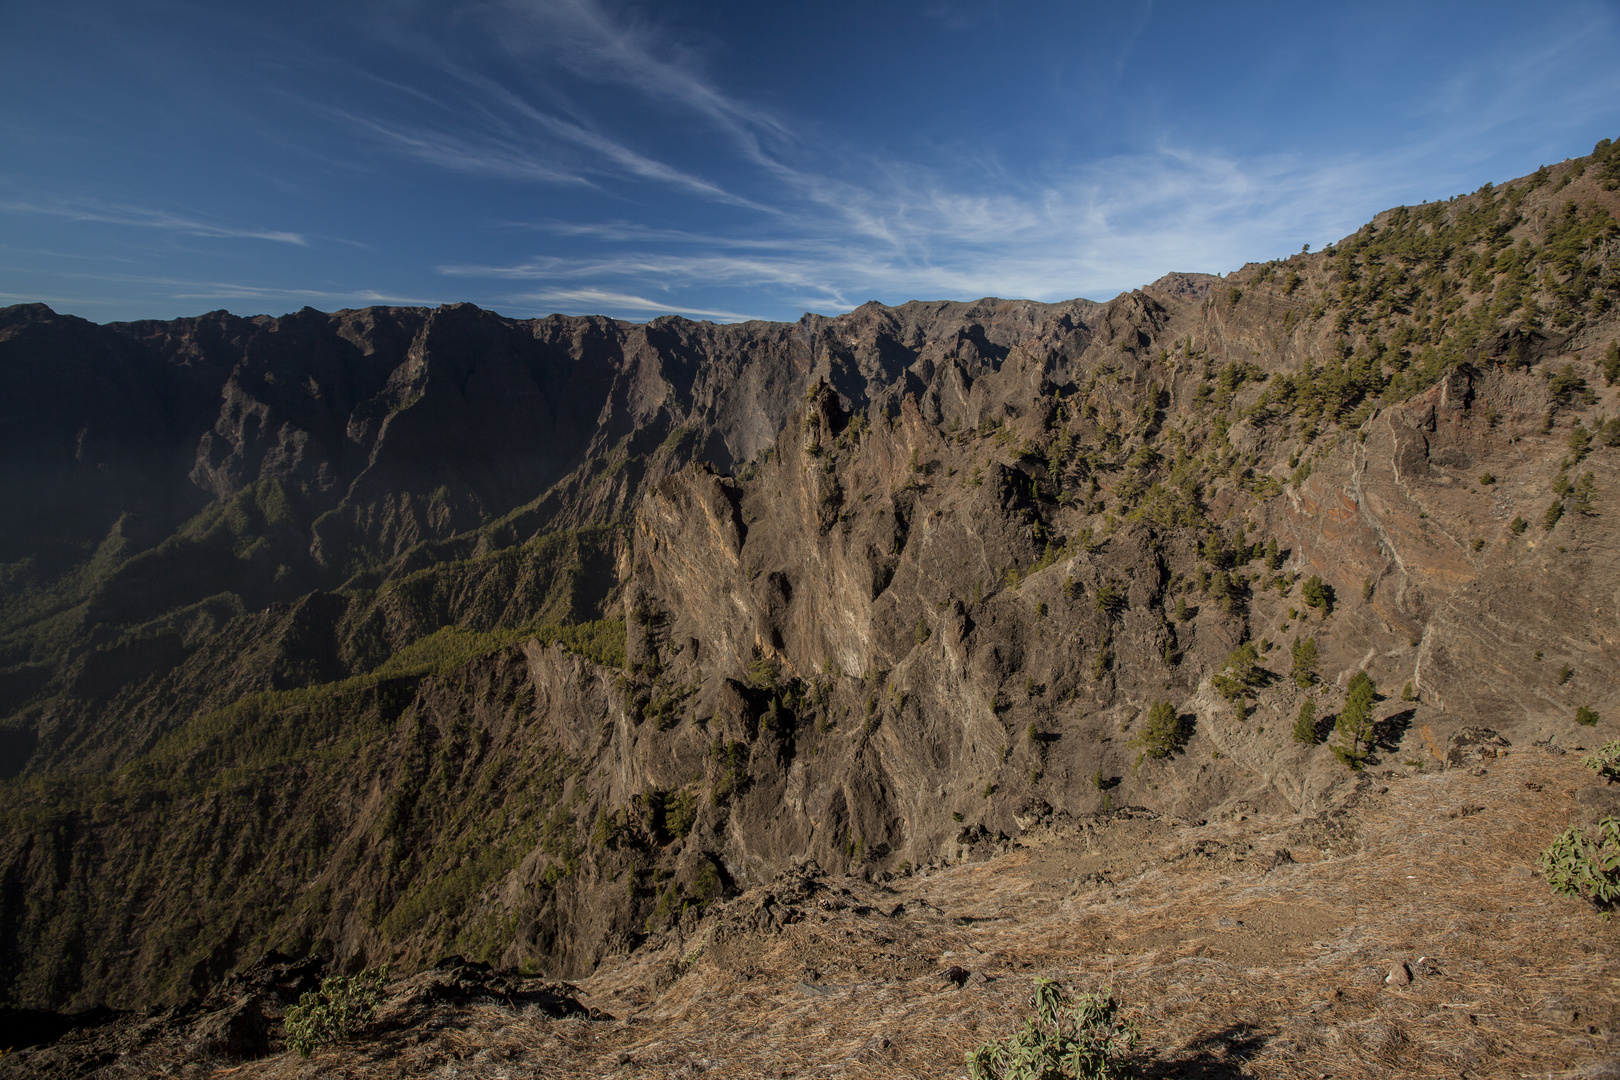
(1580, 441)
(1305, 657)
(1305, 723)
(1580, 498)
(1318, 595)
(1354, 725)
(1162, 735)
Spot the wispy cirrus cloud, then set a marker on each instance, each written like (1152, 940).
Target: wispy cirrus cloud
(634, 52)
(1120, 222)
(144, 218)
(890, 227)
(490, 157)
(585, 301)
(607, 149)
(189, 289)
(520, 126)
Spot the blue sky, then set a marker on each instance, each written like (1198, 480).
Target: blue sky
(734, 160)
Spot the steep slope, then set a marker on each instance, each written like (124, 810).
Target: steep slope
(179, 475)
(392, 633)
(1345, 942)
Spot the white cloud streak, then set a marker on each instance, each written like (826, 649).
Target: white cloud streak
(1119, 223)
(178, 289)
(587, 301)
(140, 217)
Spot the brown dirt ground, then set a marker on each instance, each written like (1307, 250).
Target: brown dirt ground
(1234, 961)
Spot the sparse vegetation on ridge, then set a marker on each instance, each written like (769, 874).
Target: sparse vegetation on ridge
(334, 1012)
(1586, 864)
(1066, 1038)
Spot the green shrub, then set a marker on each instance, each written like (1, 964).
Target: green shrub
(1305, 658)
(1241, 674)
(1318, 595)
(332, 1013)
(1305, 723)
(763, 673)
(1067, 1039)
(731, 776)
(1569, 388)
(1606, 762)
(1163, 734)
(1518, 525)
(1579, 864)
(1581, 495)
(680, 811)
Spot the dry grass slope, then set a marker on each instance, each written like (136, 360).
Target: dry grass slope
(1246, 947)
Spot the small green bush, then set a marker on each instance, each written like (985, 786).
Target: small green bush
(1606, 762)
(1163, 734)
(332, 1013)
(1579, 864)
(1305, 723)
(763, 673)
(1305, 656)
(1318, 595)
(1067, 1039)
(1241, 674)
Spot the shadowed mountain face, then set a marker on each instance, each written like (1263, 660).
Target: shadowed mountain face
(389, 633)
(168, 477)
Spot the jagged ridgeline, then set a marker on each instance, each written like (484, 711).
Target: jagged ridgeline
(392, 633)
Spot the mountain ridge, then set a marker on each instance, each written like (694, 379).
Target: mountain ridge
(396, 632)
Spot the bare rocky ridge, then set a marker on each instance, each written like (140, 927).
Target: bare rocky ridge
(391, 634)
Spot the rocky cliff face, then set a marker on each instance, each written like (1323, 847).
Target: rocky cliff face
(391, 633)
